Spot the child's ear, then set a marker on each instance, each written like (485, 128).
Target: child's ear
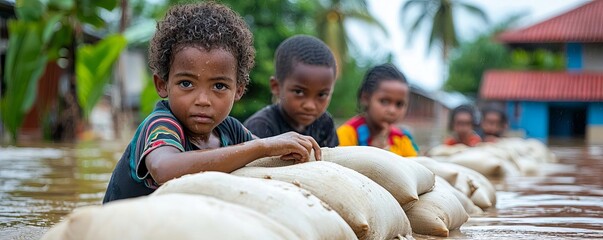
(274, 86)
(364, 99)
(160, 86)
(240, 92)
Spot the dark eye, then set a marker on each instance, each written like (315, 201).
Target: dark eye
(298, 92)
(323, 95)
(185, 84)
(220, 86)
(399, 104)
(384, 101)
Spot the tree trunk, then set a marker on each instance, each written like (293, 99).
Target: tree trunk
(69, 113)
(120, 115)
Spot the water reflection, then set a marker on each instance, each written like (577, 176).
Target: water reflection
(40, 184)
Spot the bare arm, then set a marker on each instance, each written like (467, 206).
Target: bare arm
(165, 163)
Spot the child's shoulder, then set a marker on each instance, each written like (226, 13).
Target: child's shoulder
(267, 114)
(356, 121)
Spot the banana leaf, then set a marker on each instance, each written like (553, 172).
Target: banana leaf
(93, 68)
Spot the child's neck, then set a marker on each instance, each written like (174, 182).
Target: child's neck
(372, 126)
(208, 141)
(297, 127)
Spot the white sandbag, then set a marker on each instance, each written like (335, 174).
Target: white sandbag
(295, 208)
(171, 216)
(437, 168)
(402, 177)
(485, 163)
(482, 192)
(371, 211)
(445, 150)
(437, 212)
(468, 205)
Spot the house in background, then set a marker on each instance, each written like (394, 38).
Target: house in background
(555, 104)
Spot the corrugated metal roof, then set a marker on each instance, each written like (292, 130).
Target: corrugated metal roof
(582, 24)
(542, 86)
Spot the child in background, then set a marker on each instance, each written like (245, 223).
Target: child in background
(461, 123)
(303, 84)
(493, 124)
(383, 97)
(201, 55)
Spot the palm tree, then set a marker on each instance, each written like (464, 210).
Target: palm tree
(441, 15)
(330, 21)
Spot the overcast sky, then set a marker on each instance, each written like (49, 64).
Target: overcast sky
(412, 59)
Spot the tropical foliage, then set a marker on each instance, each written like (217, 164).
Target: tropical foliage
(41, 32)
(440, 14)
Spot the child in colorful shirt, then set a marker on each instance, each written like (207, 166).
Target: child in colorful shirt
(383, 97)
(201, 55)
(462, 124)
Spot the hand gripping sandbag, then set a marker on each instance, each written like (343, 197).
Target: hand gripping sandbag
(437, 168)
(437, 213)
(171, 216)
(368, 208)
(294, 207)
(483, 193)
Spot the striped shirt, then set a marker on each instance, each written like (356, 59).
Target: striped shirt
(131, 178)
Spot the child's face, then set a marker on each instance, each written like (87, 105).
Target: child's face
(462, 124)
(388, 103)
(492, 124)
(201, 88)
(305, 94)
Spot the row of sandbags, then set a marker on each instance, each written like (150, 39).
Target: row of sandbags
(355, 192)
(506, 158)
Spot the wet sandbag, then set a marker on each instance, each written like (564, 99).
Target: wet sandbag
(445, 150)
(170, 216)
(437, 168)
(402, 177)
(294, 207)
(468, 205)
(437, 212)
(371, 211)
(483, 162)
(481, 191)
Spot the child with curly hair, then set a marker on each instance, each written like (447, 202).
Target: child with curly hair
(201, 55)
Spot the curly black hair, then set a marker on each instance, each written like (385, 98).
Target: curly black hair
(375, 76)
(302, 49)
(208, 25)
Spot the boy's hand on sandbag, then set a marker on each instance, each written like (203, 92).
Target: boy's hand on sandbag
(292, 146)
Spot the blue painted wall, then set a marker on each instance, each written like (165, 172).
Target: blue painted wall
(573, 56)
(534, 119)
(594, 114)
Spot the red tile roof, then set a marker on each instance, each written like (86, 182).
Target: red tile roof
(583, 24)
(542, 86)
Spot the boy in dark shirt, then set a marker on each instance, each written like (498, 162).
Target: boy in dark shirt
(201, 55)
(303, 84)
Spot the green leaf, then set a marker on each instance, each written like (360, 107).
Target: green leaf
(64, 5)
(94, 65)
(106, 4)
(91, 18)
(25, 63)
(29, 10)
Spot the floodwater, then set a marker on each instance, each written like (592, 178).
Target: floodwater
(39, 184)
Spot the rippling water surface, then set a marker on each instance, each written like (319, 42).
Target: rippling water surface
(39, 184)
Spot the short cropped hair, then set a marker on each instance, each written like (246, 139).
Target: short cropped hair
(302, 49)
(208, 25)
